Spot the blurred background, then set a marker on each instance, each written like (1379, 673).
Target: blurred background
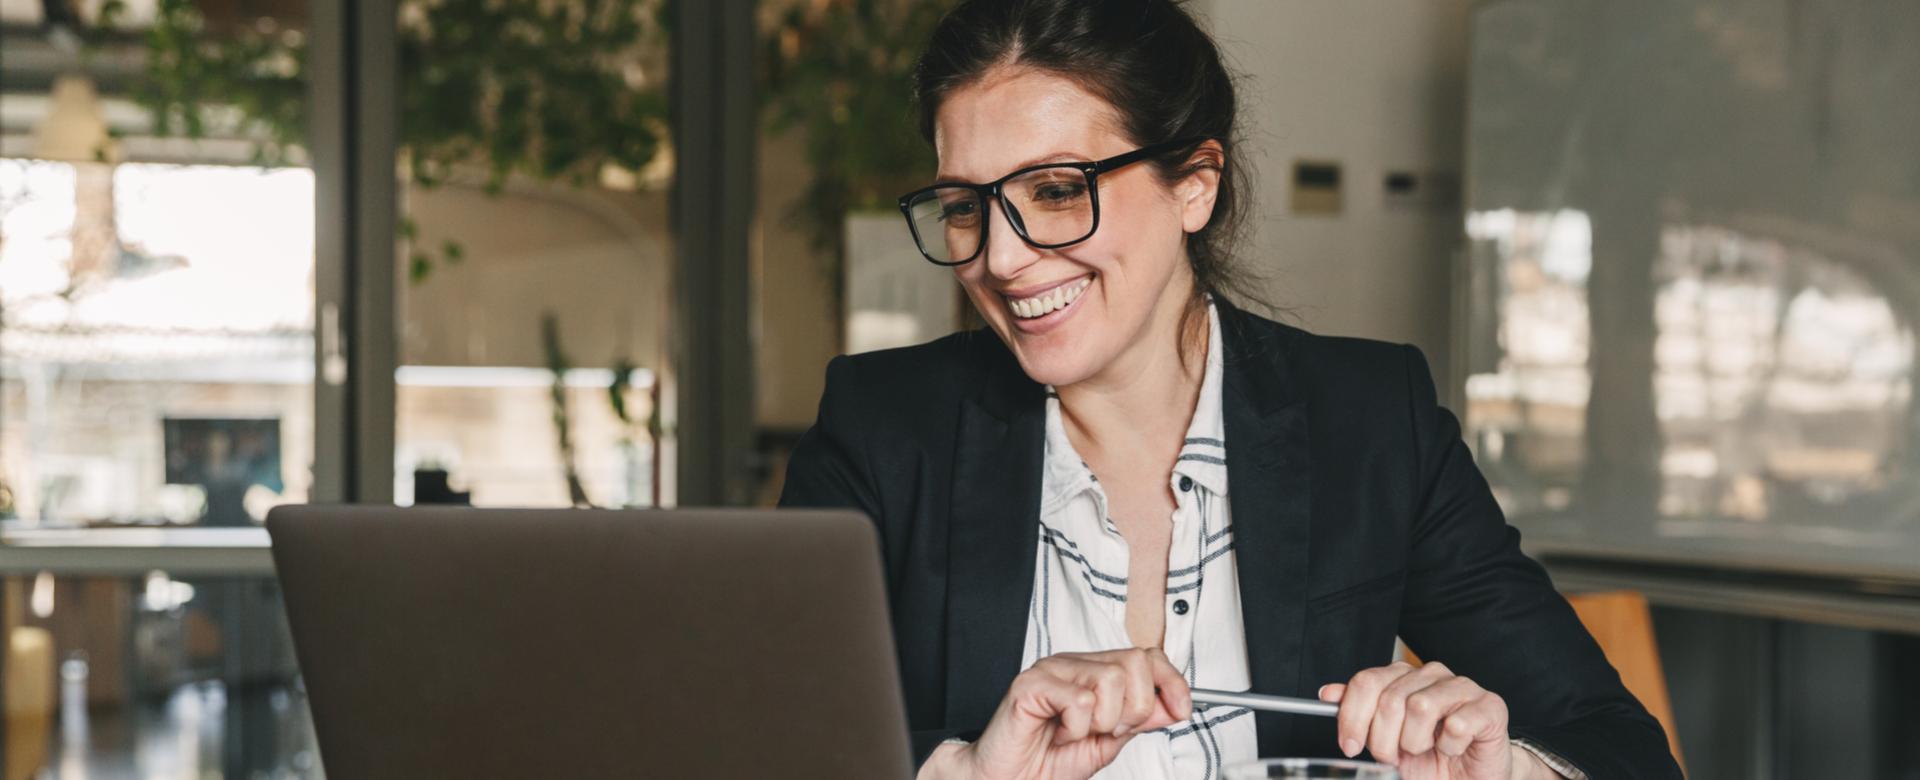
(1664, 256)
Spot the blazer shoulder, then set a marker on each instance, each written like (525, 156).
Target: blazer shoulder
(916, 380)
(1343, 368)
(1346, 362)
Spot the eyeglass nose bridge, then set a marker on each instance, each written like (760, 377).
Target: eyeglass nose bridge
(998, 194)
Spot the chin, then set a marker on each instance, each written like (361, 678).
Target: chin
(1058, 367)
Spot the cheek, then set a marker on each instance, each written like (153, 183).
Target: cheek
(1140, 240)
(972, 279)
(969, 276)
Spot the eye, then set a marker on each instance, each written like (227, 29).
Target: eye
(1059, 193)
(961, 211)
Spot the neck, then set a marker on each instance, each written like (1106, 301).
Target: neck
(1125, 407)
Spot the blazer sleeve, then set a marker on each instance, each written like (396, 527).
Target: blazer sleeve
(829, 469)
(1475, 602)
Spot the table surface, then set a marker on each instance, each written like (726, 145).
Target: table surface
(125, 551)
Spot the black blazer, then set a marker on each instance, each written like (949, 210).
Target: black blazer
(1358, 516)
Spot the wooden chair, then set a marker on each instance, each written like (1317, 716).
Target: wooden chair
(1623, 626)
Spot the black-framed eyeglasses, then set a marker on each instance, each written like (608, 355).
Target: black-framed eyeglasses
(1050, 206)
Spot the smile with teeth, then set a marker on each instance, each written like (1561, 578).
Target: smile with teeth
(1050, 301)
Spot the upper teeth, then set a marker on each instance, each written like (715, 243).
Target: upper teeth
(1028, 308)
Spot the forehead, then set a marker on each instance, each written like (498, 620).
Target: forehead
(1013, 117)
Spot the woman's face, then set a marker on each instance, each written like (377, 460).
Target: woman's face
(1098, 306)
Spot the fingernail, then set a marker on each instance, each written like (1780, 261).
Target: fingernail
(1350, 747)
(1322, 693)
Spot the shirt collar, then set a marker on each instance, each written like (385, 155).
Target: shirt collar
(1203, 456)
(1066, 474)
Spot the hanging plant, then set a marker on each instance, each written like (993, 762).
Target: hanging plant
(841, 72)
(553, 91)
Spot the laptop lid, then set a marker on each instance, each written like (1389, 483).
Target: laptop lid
(457, 642)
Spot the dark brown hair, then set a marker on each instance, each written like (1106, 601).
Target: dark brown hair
(1148, 60)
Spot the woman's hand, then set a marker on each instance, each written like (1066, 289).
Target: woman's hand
(1428, 723)
(1068, 716)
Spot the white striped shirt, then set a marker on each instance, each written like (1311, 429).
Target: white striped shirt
(1080, 590)
(1080, 587)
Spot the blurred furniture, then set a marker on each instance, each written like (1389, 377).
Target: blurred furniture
(30, 691)
(181, 552)
(1622, 625)
(251, 642)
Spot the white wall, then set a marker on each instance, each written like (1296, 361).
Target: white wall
(598, 259)
(797, 330)
(1375, 85)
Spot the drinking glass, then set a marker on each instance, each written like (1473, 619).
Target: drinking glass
(1309, 769)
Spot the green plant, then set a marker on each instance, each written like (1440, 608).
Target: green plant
(558, 365)
(841, 72)
(551, 90)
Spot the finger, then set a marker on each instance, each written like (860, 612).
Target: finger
(1109, 684)
(1175, 695)
(1141, 701)
(1076, 716)
(1332, 692)
(1390, 711)
(1455, 734)
(1426, 707)
(1357, 703)
(1483, 720)
(1052, 706)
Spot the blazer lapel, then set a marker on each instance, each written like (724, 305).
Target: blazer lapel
(1269, 474)
(992, 538)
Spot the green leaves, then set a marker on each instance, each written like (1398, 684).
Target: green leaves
(842, 73)
(554, 91)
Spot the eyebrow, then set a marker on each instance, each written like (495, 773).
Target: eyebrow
(1055, 157)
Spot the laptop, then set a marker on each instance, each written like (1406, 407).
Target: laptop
(517, 643)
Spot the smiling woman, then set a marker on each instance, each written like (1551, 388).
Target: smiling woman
(1052, 491)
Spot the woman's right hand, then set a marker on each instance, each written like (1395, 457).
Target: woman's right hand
(1068, 716)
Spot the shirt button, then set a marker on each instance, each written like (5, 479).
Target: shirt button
(1186, 484)
(1180, 606)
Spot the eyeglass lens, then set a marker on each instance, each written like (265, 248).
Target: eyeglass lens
(1050, 206)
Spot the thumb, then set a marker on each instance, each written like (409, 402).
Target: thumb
(1333, 692)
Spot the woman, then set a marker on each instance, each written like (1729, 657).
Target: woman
(1125, 486)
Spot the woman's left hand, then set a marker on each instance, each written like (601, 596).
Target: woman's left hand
(1428, 723)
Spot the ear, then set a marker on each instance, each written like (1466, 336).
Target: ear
(1198, 191)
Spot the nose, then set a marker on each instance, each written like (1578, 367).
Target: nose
(1007, 254)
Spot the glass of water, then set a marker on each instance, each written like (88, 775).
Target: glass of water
(1309, 769)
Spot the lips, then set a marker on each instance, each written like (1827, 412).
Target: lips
(1053, 299)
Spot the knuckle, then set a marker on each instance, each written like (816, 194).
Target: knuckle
(1437, 668)
(1422, 704)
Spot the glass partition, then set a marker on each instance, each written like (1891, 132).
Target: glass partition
(1694, 280)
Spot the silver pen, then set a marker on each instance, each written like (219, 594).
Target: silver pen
(1265, 703)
